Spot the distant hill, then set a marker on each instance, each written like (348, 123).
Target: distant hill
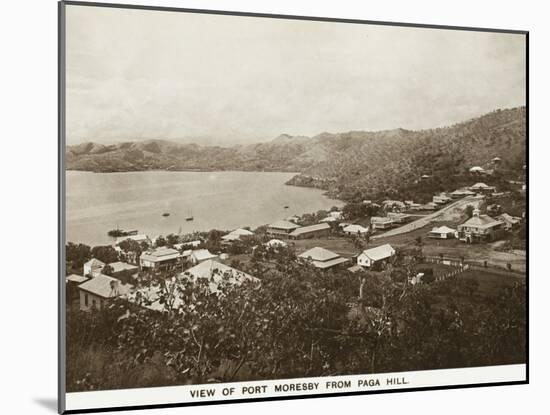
(349, 165)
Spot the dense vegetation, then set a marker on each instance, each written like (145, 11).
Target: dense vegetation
(295, 322)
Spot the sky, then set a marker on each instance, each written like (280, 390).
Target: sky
(139, 74)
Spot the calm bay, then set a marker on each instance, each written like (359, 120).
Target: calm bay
(98, 202)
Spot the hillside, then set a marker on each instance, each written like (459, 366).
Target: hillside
(349, 165)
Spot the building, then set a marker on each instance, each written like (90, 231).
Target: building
(193, 244)
(322, 258)
(510, 222)
(480, 228)
(482, 188)
(443, 232)
(75, 279)
(328, 219)
(281, 228)
(477, 170)
(355, 230)
(312, 231)
(336, 214)
(380, 222)
(398, 217)
(375, 256)
(95, 292)
(123, 271)
(201, 255)
(159, 259)
(236, 235)
(460, 193)
(394, 205)
(93, 267)
(441, 199)
(429, 206)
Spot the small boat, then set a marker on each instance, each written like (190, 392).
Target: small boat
(165, 214)
(189, 217)
(286, 207)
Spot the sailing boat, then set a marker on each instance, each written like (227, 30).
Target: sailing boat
(189, 216)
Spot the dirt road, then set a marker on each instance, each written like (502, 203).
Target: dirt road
(449, 212)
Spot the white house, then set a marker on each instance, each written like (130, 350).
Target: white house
(93, 267)
(201, 255)
(355, 230)
(236, 235)
(380, 222)
(443, 232)
(281, 228)
(160, 258)
(371, 256)
(336, 214)
(96, 291)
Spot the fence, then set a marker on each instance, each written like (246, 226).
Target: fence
(459, 265)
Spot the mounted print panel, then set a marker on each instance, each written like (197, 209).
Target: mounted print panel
(266, 207)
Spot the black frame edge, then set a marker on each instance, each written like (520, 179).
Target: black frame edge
(61, 316)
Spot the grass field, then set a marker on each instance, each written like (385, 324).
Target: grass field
(490, 280)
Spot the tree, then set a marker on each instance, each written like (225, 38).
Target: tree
(469, 211)
(160, 241)
(77, 254)
(107, 270)
(106, 254)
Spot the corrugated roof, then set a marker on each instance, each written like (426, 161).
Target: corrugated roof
(160, 254)
(105, 286)
(443, 229)
(94, 263)
(283, 224)
(355, 229)
(122, 266)
(481, 221)
(380, 252)
(319, 254)
(311, 228)
(479, 185)
(75, 278)
(329, 263)
(202, 254)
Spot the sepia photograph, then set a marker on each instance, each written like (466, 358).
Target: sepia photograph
(255, 198)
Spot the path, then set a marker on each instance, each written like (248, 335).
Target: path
(425, 220)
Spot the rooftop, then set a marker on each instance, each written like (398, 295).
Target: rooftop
(481, 221)
(203, 254)
(284, 224)
(380, 252)
(75, 278)
(160, 254)
(122, 266)
(311, 228)
(355, 229)
(94, 263)
(319, 254)
(105, 286)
